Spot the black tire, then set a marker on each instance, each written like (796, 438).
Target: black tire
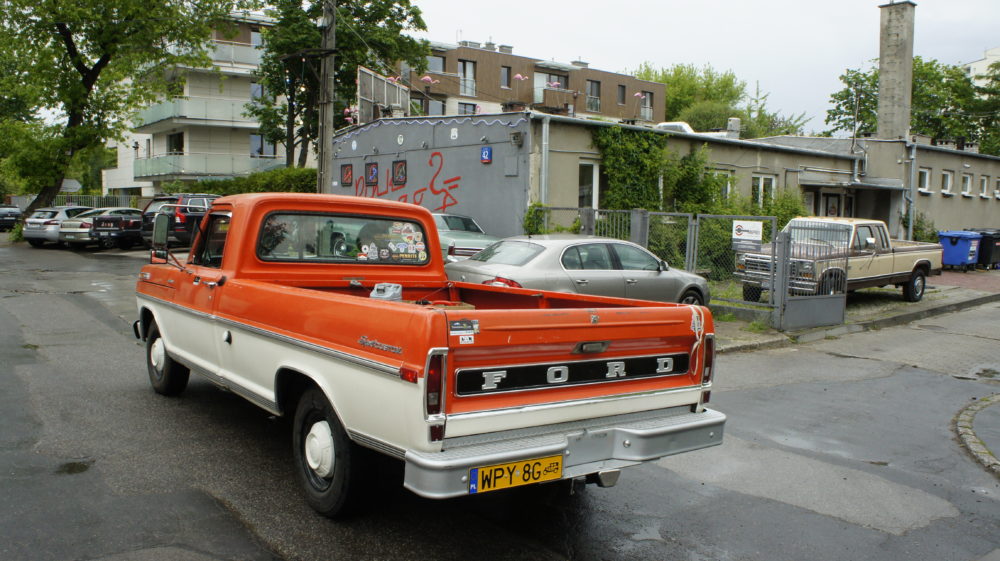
(167, 376)
(751, 293)
(914, 289)
(692, 296)
(326, 461)
(831, 284)
(36, 242)
(106, 243)
(125, 245)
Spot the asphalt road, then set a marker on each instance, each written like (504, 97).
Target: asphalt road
(841, 450)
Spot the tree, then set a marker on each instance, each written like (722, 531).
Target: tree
(369, 34)
(757, 121)
(94, 62)
(942, 97)
(688, 85)
(987, 111)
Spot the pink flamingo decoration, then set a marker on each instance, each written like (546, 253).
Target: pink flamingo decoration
(429, 80)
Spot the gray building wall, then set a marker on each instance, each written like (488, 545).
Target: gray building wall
(895, 67)
(437, 162)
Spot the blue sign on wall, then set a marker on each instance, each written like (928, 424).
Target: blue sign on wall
(486, 154)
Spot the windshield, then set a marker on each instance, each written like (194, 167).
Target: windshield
(508, 253)
(810, 232)
(44, 213)
(455, 222)
(95, 212)
(154, 206)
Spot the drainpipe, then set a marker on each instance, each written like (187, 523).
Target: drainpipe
(912, 203)
(544, 185)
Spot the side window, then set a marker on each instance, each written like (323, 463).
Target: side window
(571, 260)
(595, 257)
(861, 238)
(213, 243)
(635, 259)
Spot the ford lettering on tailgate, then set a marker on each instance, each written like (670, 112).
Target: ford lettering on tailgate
(538, 376)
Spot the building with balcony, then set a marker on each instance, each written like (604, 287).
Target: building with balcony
(202, 132)
(470, 78)
(982, 66)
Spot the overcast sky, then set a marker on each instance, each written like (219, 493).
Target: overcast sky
(795, 49)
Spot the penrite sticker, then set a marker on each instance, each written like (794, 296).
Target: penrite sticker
(463, 327)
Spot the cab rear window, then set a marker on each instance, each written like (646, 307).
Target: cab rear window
(332, 238)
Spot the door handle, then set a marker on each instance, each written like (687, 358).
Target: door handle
(631, 281)
(582, 281)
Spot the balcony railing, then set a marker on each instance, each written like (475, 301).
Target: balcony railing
(235, 53)
(467, 87)
(646, 113)
(197, 108)
(203, 165)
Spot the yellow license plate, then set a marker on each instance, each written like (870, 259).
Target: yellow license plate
(515, 474)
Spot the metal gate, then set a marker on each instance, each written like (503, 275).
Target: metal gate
(811, 276)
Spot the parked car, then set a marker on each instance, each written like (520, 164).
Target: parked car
(461, 237)
(76, 231)
(581, 264)
(184, 220)
(43, 224)
(9, 215)
(119, 227)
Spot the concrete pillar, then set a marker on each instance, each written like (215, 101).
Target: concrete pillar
(895, 67)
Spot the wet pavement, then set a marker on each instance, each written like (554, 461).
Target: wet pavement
(978, 425)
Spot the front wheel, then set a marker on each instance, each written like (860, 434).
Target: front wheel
(692, 297)
(914, 289)
(167, 376)
(325, 459)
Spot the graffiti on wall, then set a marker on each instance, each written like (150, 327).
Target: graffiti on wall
(438, 196)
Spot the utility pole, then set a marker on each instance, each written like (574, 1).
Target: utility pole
(324, 177)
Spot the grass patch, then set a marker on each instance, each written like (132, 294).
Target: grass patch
(725, 316)
(757, 326)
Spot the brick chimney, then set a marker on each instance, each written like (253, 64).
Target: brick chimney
(895, 70)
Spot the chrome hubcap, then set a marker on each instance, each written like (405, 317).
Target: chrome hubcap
(319, 449)
(157, 355)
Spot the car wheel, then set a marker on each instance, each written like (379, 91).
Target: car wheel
(913, 290)
(692, 297)
(125, 245)
(751, 293)
(325, 459)
(831, 284)
(166, 375)
(36, 243)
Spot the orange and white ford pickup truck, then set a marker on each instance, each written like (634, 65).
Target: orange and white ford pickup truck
(336, 311)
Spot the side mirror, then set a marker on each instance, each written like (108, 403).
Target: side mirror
(161, 227)
(664, 266)
(869, 242)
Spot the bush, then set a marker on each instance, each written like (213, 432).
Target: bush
(281, 180)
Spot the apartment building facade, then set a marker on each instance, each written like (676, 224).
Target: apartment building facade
(201, 132)
(470, 78)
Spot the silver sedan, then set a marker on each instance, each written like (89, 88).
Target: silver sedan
(582, 264)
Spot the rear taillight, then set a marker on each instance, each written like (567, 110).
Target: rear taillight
(433, 385)
(501, 281)
(180, 218)
(86, 225)
(709, 362)
(51, 222)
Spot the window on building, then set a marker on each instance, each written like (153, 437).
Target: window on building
(466, 108)
(560, 81)
(467, 78)
(947, 177)
(256, 37)
(621, 95)
(984, 186)
(966, 184)
(646, 109)
(175, 143)
(996, 189)
(593, 96)
(433, 107)
(924, 179)
(435, 63)
(258, 93)
(260, 148)
(149, 148)
(505, 77)
(726, 178)
(585, 197)
(762, 188)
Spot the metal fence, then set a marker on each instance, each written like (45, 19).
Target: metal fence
(736, 255)
(96, 201)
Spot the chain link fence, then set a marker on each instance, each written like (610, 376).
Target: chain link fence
(96, 201)
(736, 255)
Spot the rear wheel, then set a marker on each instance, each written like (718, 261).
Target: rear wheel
(914, 289)
(751, 293)
(167, 376)
(326, 461)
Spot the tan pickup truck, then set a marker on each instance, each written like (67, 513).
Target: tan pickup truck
(817, 267)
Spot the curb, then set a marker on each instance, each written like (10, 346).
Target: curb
(972, 443)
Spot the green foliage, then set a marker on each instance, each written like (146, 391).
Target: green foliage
(534, 219)
(707, 115)
(96, 61)
(369, 34)
(758, 121)
(942, 98)
(282, 180)
(688, 85)
(987, 108)
(633, 161)
(688, 186)
(16, 233)
(923, 227)
(87, 164)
